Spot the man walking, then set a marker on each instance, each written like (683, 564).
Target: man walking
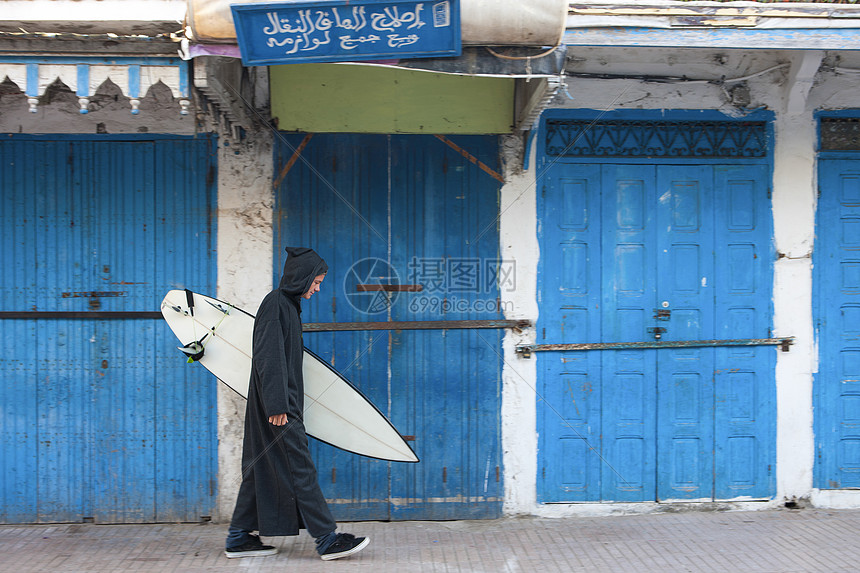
(279, 493)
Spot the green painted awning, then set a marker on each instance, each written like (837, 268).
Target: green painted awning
(350, 98)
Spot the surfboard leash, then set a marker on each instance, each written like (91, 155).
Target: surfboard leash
(195, 349)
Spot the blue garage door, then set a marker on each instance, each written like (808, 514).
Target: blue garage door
(837, 285)
(647, 250)
(99, 418)
(408, 226)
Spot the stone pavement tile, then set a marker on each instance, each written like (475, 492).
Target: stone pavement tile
(783, 541)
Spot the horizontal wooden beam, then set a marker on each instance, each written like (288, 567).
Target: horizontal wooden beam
(308, 327)
(64, 315)
(414, 325)
(526, 349)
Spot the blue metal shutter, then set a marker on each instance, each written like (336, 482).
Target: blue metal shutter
(373, 206)
(101, 419)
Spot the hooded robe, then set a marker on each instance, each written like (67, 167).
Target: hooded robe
(279, 492)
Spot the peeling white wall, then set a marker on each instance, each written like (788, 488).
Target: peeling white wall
(781, 90)
(245, 247)
(794, 230)
(518, 236)
(110, 112)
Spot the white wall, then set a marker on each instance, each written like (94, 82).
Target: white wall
(245, 247)
(518, 236)
(783, 90)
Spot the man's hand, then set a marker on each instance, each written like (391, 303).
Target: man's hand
(278, 420)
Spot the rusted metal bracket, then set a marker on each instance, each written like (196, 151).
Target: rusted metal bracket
(657, 331)
(469, 157)
(525, 351)
(292, 161)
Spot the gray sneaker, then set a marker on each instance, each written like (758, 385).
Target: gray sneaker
(345, 544)
(251, 548)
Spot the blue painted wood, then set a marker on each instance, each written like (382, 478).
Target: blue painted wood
(32, 80)
(570, 393)
(405, 210)
(685, 287)
(770, 38)
(628, 293)
(102, 419)
(83, 87)
(744, 385)
(91, 60)
(620, 243)
(837, 317)
(444, 211)
(334, 199)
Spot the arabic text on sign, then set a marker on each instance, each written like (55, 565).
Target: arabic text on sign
(310, 29)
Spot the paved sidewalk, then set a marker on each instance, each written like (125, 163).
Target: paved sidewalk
(807, 540)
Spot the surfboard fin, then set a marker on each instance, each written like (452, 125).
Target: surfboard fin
(172, 307)
(219, 307)
(193, 350)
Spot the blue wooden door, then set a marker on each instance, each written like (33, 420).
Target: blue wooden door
(685, 282)
(630, 253)
(99, 417)
(837, 287)
(629, 294)
(409, 211)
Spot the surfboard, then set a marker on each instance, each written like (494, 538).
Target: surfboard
(219, 336)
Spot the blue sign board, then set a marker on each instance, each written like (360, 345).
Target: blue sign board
(346, 30)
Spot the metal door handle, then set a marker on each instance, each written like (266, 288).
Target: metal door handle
(657, 331)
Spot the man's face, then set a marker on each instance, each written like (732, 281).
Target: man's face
(315, 287)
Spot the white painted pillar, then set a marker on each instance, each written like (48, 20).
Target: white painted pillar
(245, 211)
(518, 236)
(794, 200)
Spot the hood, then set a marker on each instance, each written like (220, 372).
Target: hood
(300, 268)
